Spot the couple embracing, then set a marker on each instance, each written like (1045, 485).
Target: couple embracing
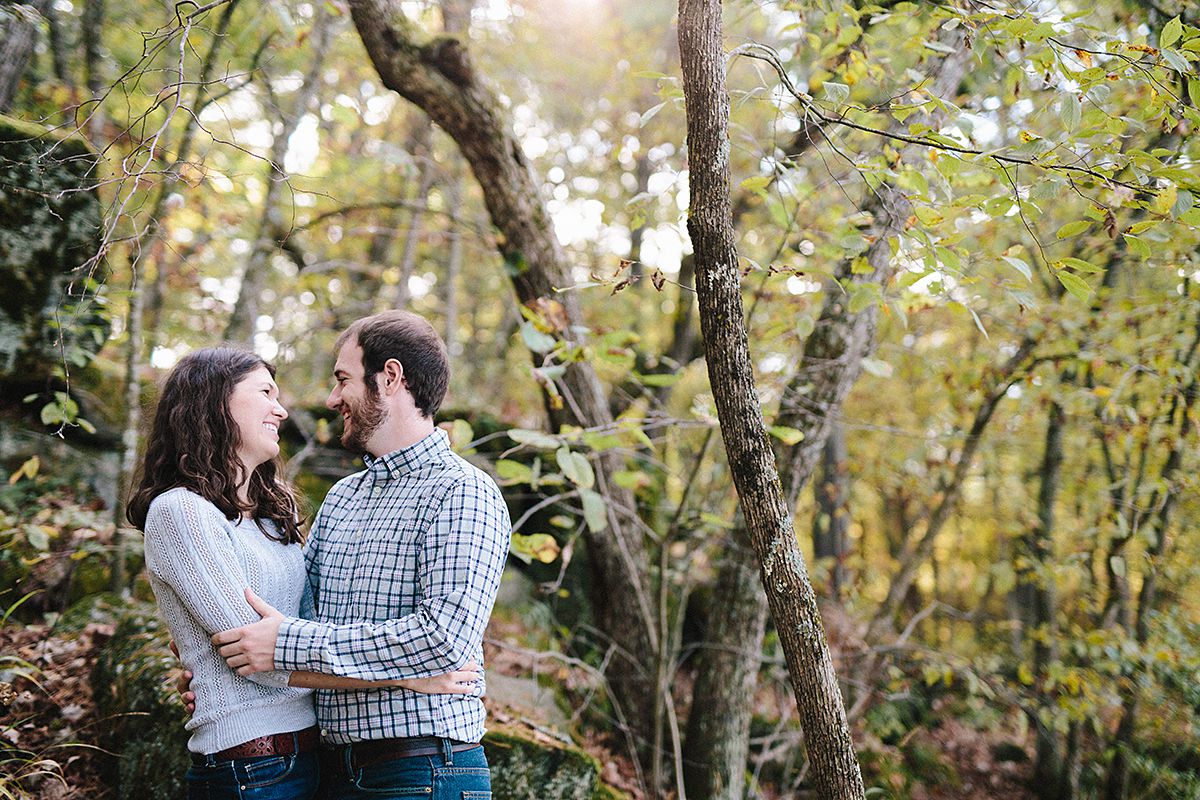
(350, 666)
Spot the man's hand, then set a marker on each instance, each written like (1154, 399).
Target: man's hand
(183, 684)
(251, 648)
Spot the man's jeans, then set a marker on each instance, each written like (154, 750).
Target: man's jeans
(291, 777)
(446, 776)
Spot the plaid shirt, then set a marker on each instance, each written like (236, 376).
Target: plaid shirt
(404, 561)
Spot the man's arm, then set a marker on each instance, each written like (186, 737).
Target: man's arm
(461, 561)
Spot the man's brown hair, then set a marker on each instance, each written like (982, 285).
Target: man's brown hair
(411, 340)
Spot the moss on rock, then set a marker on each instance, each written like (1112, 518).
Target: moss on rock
(48, 240)
(527, 769)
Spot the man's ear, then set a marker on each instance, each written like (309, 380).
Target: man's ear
(392, 376)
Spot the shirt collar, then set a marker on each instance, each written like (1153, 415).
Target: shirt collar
(407, 459)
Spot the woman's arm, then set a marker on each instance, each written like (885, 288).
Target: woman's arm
(463, 681)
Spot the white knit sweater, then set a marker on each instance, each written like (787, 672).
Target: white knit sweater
(199, 564)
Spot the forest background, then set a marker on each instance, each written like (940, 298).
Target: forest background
(966, 242)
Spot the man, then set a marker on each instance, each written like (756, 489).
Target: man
(404, 561)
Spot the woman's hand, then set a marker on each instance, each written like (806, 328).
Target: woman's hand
(463, 681)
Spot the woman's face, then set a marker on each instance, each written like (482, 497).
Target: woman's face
(255, 408)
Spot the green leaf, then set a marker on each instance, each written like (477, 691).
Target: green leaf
(1164, 201)
(1170, 33)
(1194, 89)
(659, 379)
(1142, 227)
(836, 93)
(789, 436)
(1177, 62)
(717, 522)
(1075, 285)
(757, 184)
(1020, 266)
(862, 296)
(536, 340)
(1136, 246)
(533, 438)
(1069, 111)
(509, 471)
(877, 367)
(461, 434)
(594, 511)
(938, 47)
(38, 537)
(535, 547)
(649, 113)
(631, 479)
(1078, 264)
(1073, 229)
(576, 467)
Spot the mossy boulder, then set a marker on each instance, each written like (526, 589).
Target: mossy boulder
(525, 767)
(49, 240)
(131, 683)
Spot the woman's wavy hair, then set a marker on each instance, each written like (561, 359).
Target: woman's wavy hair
(194, 441)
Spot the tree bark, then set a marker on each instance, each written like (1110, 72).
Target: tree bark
(421, 149)
(718, 731)
(1037, 599)
(831, 522)
(1161, 504)
(454, 259)
(790, 594)
(828, 368)
(440, 79)
(18, 36)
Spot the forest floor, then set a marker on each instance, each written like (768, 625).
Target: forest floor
(49, 720)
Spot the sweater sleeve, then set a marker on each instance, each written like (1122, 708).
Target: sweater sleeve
(189, 549)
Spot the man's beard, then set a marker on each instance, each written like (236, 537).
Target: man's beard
(363, 420)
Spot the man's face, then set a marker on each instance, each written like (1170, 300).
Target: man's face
(356, 400)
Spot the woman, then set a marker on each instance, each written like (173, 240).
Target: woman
(217, 519)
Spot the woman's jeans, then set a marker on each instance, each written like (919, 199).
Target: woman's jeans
(445, 776)
(292, 777)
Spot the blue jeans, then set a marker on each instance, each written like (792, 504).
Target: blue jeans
(291, 777)
(446, 776)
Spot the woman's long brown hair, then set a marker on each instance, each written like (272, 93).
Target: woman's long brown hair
(194, 441)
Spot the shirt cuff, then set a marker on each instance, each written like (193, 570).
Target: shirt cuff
(295, 644)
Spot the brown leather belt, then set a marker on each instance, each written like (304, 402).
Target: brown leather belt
(276, 744)
(377, 751)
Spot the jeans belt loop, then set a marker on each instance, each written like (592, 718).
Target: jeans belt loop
(447, 751)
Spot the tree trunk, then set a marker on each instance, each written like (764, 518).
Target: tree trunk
(831, 522)
(241, 326)
(454, 258)
(440, 79)
(18, 36)
(1162, 502)
(718, 731)
(828, 369)
(790, 595)
(119, 580)
(421, 149)
(1036, 592)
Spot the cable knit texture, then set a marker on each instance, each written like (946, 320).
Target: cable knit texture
(199, 564)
